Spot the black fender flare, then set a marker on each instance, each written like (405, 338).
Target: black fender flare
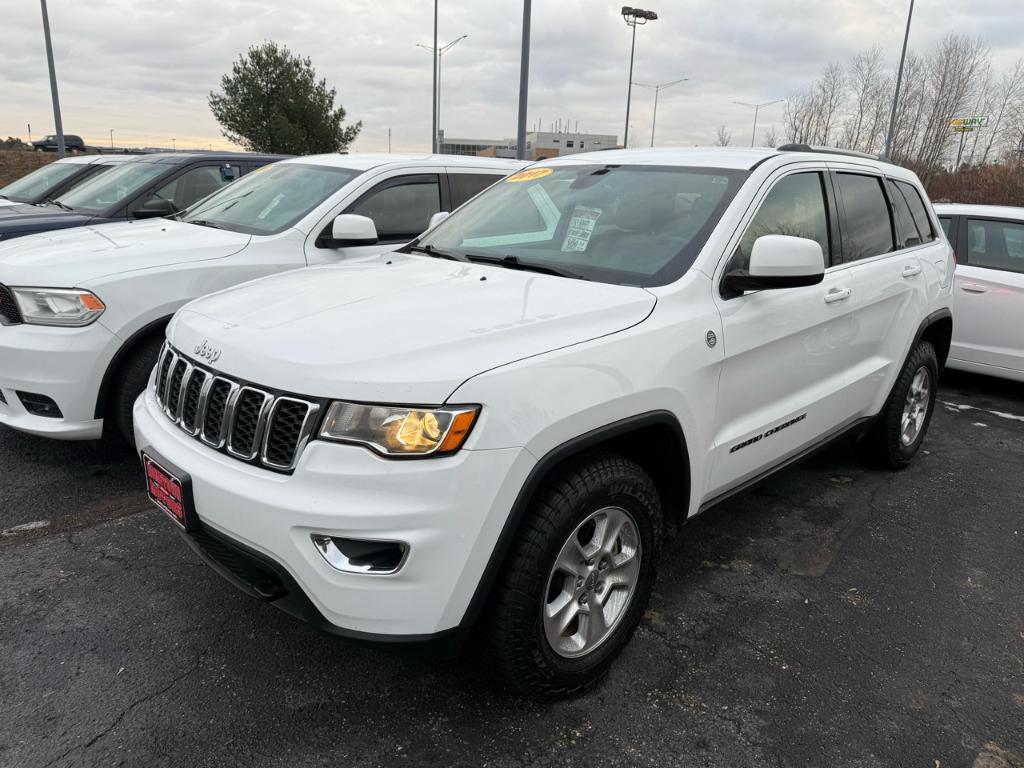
(119, 357)
(541, 470)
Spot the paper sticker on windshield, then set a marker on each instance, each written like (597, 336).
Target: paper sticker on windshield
(530, 174)
(581, 227)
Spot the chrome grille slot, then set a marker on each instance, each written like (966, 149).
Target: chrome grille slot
(289, 427)
(247, 422)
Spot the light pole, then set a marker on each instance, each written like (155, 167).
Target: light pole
(58, 126)
(174, 146)
(524, 82)
(439, 52)
(111, 138)
(757, 108)
(633, 17)
(899, 79)
(657, 89)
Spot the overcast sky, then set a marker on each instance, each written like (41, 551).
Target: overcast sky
(144, 67)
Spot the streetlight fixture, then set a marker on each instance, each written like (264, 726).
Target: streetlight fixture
(633, 17)
(899, 80)
(437, 87)
(757, 108)
(657, 89)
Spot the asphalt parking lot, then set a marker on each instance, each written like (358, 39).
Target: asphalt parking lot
(833, 616)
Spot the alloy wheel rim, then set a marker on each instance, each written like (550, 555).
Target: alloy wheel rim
(592, 582)
(915, 407)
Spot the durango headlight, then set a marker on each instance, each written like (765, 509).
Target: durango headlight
(58, 306)
(400, 430)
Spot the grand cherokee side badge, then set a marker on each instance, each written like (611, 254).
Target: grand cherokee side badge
(206, 352)
(711, 339)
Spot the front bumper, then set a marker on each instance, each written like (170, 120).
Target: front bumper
(64, 364)
(450, 511)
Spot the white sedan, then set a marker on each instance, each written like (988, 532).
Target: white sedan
(988, 312)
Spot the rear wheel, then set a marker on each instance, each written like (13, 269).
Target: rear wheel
(578, 576)
(899, 432)
(132, 377)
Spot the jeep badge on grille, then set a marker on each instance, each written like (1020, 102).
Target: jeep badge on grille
(206, 352)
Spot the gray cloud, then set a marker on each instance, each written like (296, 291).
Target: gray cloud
(144, 69)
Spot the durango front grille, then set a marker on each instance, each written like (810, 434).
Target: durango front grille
(250, 423)
(9, 312)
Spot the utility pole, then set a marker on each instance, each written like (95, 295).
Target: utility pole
(524, 82)
(389, 141)
(29, 126)
(111, 138)
(657, 89)
(58, 125)
(899, 80)
(633, 17)
(757, 108)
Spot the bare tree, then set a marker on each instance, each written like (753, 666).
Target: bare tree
(866, 81)
(771, 137)
(723, 137)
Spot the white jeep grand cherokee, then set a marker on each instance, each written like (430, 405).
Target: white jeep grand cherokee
(83, 311)
(502, 421)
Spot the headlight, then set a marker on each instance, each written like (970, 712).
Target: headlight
(58, 306)
(400, 430)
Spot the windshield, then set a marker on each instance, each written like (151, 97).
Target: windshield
(99, 195)
(30, 188)
(634, 225)
(271, 199)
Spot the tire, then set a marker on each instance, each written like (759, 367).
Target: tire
(131, 379)
(591, 491)
(890, 443)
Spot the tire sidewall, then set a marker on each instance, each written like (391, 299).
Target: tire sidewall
(922, 357)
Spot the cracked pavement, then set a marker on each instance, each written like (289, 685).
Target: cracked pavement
(833, 615)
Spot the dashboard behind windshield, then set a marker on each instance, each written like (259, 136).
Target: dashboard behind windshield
(270, 199)
(632, 225)
(108, 190)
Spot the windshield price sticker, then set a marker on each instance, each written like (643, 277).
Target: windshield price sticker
(530, 174)
(581, 227)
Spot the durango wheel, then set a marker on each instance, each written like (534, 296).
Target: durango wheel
(577, 577)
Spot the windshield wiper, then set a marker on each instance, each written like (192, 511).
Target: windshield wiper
(513, 262)
(59, 204)
(430, 250)
(203, 223)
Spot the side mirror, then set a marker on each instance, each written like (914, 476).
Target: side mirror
(350, 229)
(437, 218)
(779, 261)
(154, 207)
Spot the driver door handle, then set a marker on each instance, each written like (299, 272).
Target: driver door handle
(973, 288)
(837, 294)
(911, 269)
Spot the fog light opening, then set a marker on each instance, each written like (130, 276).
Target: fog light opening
(361, 555)
(40, 405)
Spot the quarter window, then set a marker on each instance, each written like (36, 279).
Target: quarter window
(401, 211)
(467, 185)
(795, 206)
(995, 245)
(921, 218)
(907, 233)
(869, 230)
(946, 223)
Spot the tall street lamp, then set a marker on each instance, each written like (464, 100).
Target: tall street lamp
(657, 89)
(899, 80)
(57, 124)
(757, 108)
(633, 17)
(437, 82)
(111, 138)
(524, 82)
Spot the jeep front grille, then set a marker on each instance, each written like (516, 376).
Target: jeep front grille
(248, 422)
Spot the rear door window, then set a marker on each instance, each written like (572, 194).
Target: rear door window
(467, 185)
(995, 245)
(869, 227)
(907, 233)
(917, 208)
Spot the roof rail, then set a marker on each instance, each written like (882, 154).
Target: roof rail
(831, 151)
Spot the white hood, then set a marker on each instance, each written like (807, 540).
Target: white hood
(401, 329)
(69, 258)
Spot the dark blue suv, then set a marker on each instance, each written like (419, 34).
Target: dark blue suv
(149, 186)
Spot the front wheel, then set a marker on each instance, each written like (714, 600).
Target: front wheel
(132, 378)
(899, 432)
(575, 583)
